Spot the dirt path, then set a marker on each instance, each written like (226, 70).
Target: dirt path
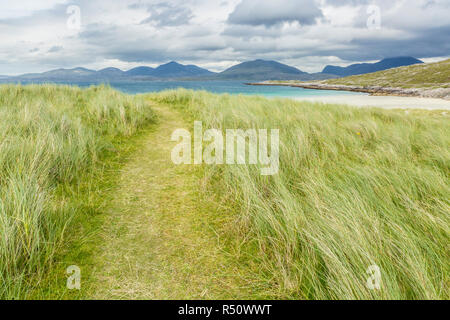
(159, 239)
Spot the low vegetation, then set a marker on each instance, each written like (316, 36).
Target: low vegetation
(52, 140)
(430, 75)
(356, 188)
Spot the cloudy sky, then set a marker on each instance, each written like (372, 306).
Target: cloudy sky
(39, 35)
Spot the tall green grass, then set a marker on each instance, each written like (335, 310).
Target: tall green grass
(51, 138)
(356, 187)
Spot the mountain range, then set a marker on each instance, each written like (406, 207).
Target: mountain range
(171, 70)
(260, 70)
(362, 68)
(257, 70)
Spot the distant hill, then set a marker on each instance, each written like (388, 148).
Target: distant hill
(140, 71)
(60, 74)
(176, 70)
(257, 70)
(171, 70)
(362, 68)
(429, 75)
(263, 70)
(110, 72)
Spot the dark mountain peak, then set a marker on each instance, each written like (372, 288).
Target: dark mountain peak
(269, 64)
(174, 69)
(172, 65)
(262, 70)
(362, 68)
(405, 59)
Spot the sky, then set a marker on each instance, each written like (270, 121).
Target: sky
(40, 35)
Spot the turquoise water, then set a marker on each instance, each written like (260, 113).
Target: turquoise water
(231, 87)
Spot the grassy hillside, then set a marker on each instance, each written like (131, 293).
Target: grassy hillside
(357, 187)
(52, 142)
(431, 75)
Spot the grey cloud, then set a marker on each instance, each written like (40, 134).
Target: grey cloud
(55, 49)
(126, 44)
(116, 43)
(165, 14)
(433, 42)
(248, 32)
(55, 15)
(254, 29)
(269, 12)
(349, 2)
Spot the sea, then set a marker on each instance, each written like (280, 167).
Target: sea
(230, 87)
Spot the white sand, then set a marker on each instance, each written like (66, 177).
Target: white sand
(387, 102)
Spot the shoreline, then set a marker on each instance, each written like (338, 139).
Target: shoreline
(379, 101)
(440, 93)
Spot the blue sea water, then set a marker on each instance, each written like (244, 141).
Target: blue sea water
(231, 87)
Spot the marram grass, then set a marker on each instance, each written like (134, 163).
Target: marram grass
(356, 188)
(51, 137)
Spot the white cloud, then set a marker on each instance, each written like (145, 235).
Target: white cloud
(217, 34)
(24, 8)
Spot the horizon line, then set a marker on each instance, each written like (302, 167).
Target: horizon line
(430, 60)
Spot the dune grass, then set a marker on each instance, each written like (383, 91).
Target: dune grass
(356, 188)
(52, 140)
(164, 235)
(429, 75)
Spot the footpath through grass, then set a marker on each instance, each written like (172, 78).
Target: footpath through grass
(357, 187)
(53, 143)
(165, 237)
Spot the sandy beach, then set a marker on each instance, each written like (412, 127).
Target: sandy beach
(387, 102)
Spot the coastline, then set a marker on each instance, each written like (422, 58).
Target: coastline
(439, 93)
(379, 101)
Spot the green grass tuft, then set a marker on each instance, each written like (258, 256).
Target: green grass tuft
(51, 139)
(356, 187)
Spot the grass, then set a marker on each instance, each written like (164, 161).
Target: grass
(52, 143)
(164, 233)
(356, 187)
(430, 75)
